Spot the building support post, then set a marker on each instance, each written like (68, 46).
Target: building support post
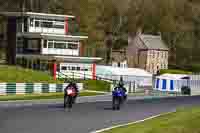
(54, 70)
(94, 71)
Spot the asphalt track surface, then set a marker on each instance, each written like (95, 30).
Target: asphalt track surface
(84, 117)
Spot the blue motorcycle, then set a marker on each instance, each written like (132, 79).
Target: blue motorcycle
(118, 97)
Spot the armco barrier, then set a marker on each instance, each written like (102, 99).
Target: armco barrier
(29, 88)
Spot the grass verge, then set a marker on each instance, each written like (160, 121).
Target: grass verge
(42, 96)
(175, 71)
(182, 121)
(96, 85)
(20, 75)
(16, 74)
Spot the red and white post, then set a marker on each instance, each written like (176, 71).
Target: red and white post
(94, 71)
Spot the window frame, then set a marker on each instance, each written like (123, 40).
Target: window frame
(63, 67)
(48, 44)
(71, 45)
(60, 43)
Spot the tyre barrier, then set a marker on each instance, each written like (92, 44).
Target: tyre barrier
(33, 88)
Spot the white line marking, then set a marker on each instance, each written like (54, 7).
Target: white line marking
(131, 123)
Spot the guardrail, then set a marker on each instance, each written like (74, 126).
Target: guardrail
(132, 85)
(77, 75)
(30, 88)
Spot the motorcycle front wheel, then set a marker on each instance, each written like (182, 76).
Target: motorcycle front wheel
(116, 103)
(70, 101)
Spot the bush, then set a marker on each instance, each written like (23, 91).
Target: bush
(185, 90)
(194, 68)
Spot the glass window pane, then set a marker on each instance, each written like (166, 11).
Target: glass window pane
(59, 26)
(47, 24)
(60, 45)
(59, 21)
(72, 46)
(45, 45)
(64, 68)
(37, 23)
(78, 68)
(33, 44)
(50, 44)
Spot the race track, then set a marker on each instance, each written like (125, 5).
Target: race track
(85, 117)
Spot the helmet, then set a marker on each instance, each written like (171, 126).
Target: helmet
(73, 83)
(121, 84)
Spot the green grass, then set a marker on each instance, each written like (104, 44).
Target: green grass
(42, 96)
(183, 121)
(96, 85)
(15, 74)
(175, 71)
(18, 74)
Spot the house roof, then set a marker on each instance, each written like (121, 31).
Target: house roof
(153, 42)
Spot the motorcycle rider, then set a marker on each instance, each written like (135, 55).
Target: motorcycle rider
(72, 84)
(121, 86)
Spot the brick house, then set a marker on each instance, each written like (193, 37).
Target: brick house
(148, 52)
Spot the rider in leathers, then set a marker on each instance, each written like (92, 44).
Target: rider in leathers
(121, 86)
(72, 84)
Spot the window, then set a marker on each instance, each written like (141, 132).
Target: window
(59, 21)
(164, 66)
(45, 44)
(60, 45)
(37, 23)
(59, 26)
(118, 64)
(75, 42)
(47, 24)
(78, 68)
(64, 68)
(50, 44)
(86, 69)
(73, 68)
(72, 46)
(33, 45)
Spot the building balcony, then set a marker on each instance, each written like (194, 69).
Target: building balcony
(52, 51)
